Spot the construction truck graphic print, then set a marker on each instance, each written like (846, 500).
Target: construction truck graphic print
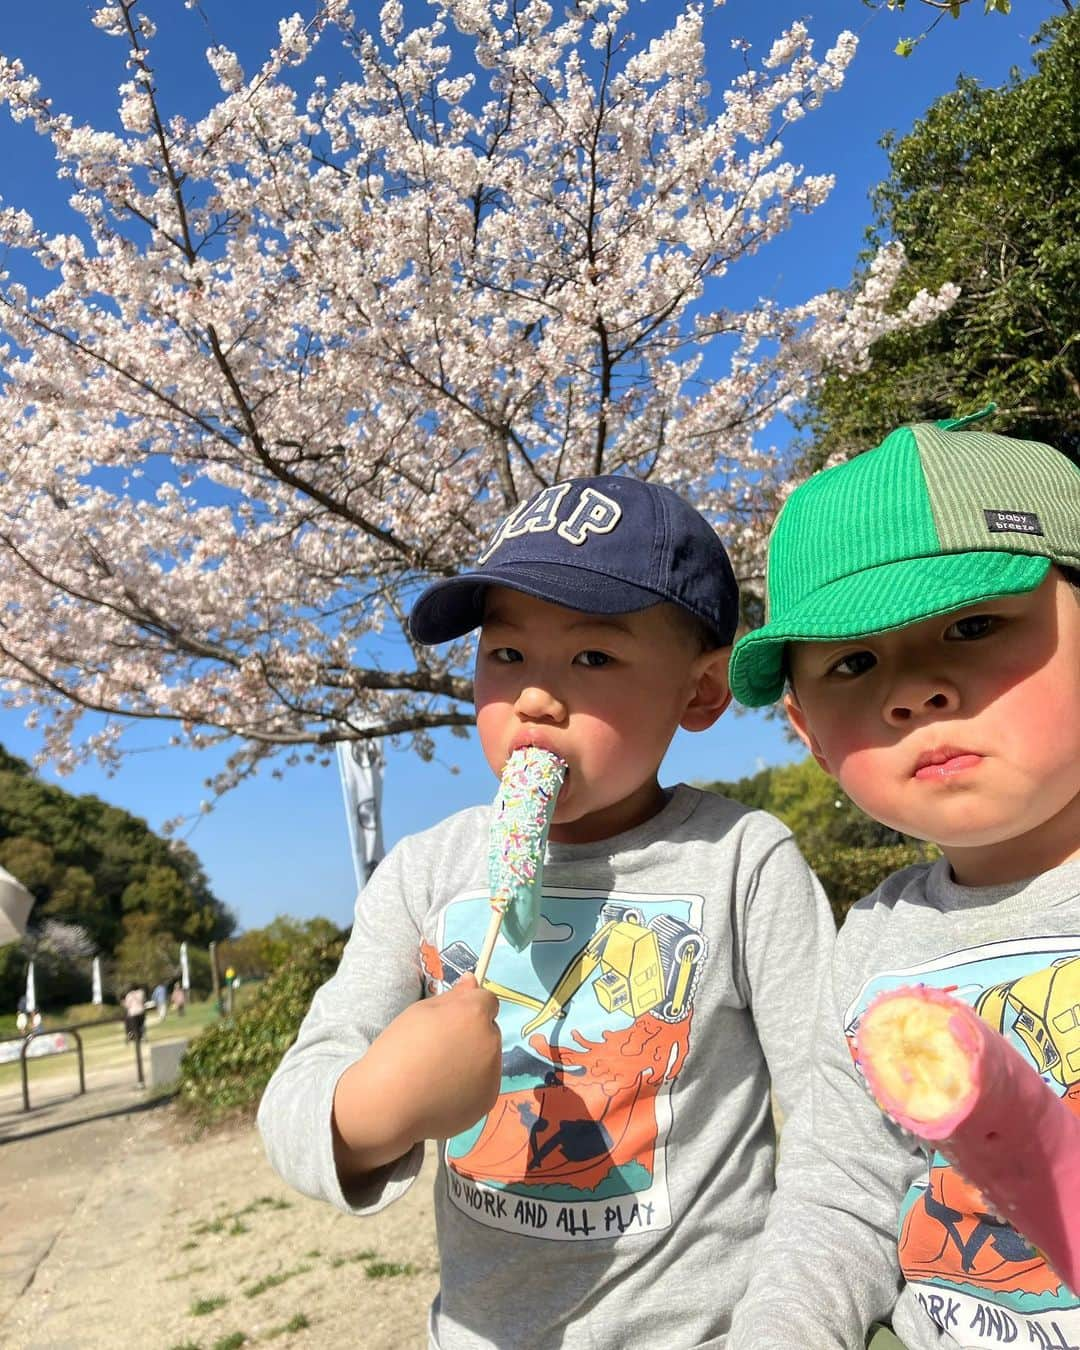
(978, 1278)
(596, 1019)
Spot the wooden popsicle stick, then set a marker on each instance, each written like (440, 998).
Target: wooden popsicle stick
(490, 938)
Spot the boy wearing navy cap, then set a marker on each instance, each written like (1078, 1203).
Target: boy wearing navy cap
(603, 1101)
(932, 662)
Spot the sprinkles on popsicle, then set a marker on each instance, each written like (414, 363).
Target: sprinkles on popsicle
(521, 817)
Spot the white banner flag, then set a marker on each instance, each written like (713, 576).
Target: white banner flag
(95, 995)
(31, 992)
(361, 766)
(185, 974)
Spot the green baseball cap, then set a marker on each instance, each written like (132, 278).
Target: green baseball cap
(938, 516)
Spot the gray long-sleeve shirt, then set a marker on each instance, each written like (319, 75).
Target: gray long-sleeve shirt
(863, 1217)
(612, 1196)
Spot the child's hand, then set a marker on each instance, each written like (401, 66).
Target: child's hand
(446, 1056)
(432, 1073)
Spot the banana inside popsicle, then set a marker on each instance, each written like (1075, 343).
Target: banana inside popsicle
(521, 817)
(943, 1073)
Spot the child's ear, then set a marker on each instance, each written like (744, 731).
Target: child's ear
(712, 693)
(797, 718)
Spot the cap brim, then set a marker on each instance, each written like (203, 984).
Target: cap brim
(451, 608)
(876, 601)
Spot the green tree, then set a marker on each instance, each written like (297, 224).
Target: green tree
(92, 864)
(811, 804)
(72, 891)
(984, 192)
(819, 813)
(146, 955)
(32, 861)
(262, 951)
(163, 893)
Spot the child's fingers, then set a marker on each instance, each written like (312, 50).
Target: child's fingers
(467, 987)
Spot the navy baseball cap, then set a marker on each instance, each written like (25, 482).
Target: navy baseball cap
(604, 545)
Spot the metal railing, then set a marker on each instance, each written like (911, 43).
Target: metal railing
(75, 1031)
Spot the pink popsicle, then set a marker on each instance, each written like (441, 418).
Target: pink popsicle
(943, 1073)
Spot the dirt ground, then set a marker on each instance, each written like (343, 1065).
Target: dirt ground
(117, 1229)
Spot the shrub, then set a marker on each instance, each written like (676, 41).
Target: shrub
(224, 1072)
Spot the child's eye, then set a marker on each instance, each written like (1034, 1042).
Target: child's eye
(505, 656)
(591, 659)
(971, 626)
(853, 663)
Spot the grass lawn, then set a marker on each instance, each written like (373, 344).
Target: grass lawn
(105, 1046)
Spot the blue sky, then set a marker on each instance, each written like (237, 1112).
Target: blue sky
(281, 846)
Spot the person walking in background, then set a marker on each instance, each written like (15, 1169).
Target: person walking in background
(161, 1001)
(134, 1013)
(179, 999)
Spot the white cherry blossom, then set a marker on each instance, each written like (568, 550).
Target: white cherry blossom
(293, 359)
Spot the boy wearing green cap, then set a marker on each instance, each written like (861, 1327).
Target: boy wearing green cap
(924, 616)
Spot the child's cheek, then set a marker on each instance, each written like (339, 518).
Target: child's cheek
(603, 750)
(868, 779)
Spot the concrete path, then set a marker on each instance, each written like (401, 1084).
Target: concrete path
(45, 1178)
(117, 1229)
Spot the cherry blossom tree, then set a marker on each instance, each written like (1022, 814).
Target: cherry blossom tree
(294, 359)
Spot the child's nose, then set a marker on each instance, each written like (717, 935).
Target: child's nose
(914, 696)
(539, 703)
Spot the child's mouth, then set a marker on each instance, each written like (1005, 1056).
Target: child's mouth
(946, 763)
